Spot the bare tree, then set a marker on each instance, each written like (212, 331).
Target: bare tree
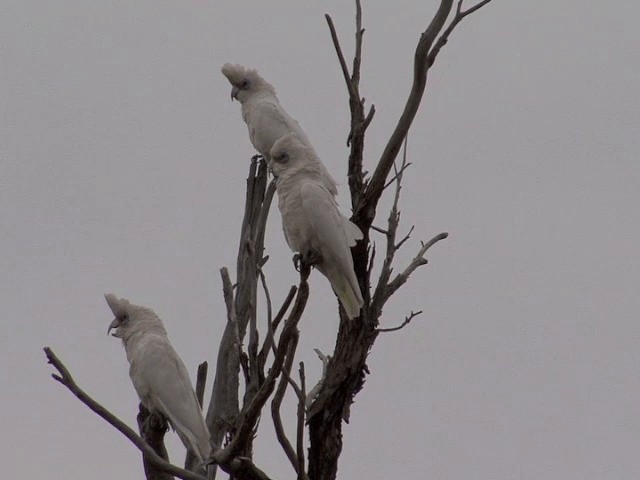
(264, 365)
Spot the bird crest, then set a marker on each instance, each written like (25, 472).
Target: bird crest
(117, 306)
(237, 74)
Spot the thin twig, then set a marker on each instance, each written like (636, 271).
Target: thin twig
(444, 38)
(398, 245)
(301, 420)
(314, 391)
(380, 230)
(379, 296)
(343, 64)
(67, 380)
(417, 261)
(272, 325)
(406, 322)
(276, 403)
(398, 173)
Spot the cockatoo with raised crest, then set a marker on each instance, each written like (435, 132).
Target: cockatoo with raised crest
(266, 120)
(158, 374)
(313, 226)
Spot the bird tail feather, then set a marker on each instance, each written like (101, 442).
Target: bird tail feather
(194, 435)
(348, 292)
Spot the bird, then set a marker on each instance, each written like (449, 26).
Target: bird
(313, 226)
(158, 374)
(266, 119)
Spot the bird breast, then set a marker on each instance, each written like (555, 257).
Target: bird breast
(298, 229)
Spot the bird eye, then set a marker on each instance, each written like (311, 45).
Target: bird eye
(124, 317)
(245, 84)
(283, 157)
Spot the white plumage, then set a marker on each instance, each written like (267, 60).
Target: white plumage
(266, 120)
(158, 374)
(312, 223)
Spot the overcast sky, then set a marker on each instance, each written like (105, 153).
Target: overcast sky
(123, 165)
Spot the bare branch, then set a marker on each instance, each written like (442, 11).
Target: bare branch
(359, 122)
(444, 38)
(201, 381)
(398, 173)
(379, 230)
(276, 403)
(357, 57)
(314, 391)
(367, 209)
(191, 460)
(417, 261)
(406, 322)
(369, 117)
(241, 309)
(343, 64)
(272, 325)
(67, 380)
(271, 334)
(393, 221)
(251, 412)
(398, 245)
(224, 404)
(347, 369)
(300, 429)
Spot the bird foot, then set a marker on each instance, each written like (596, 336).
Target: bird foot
(308, 259)
(156, 421)
(297, 258)
(311, 258)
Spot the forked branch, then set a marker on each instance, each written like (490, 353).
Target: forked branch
(444, 38)
(359, 122)
(406, 322)
(423, 60)
(251, 412)
(417, 261)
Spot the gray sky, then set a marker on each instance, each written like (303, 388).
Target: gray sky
(123, 169)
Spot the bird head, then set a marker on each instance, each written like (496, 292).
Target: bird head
(245, 82)
(291, 156)
(131, 319)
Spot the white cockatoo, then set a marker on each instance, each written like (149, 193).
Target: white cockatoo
(312, 223)
(266, 120)
(158, 374)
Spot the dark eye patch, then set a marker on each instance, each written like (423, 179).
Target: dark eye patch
(282, 158)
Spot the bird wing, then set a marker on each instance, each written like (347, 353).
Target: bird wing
(268, 122)
(335, 234)
(171, 392)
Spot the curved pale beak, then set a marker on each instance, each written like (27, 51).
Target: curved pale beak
(234, 93)
(112, 325)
